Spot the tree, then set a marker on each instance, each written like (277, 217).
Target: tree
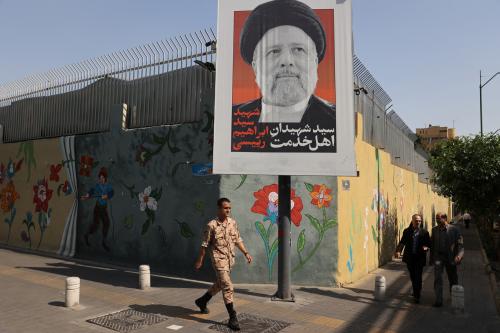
(468, 170)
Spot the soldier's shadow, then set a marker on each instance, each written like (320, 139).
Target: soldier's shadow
(172, 311)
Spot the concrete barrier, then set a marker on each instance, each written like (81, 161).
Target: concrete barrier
(379, 292)
(72, 291)
(457, 298)
(144, 277)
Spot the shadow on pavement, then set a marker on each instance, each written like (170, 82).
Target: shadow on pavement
(114, 277)
(57, 303)
(172, 311)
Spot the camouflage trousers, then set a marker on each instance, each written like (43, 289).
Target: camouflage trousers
(223, 283)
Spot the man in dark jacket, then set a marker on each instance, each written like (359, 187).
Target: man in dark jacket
(415, 242)
(447, 251)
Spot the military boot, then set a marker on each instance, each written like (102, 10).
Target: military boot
(202, 302)
(233, 319)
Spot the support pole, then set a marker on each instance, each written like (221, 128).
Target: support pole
(480, 103)
(284, 292)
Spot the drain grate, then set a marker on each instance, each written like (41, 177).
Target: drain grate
(127, 320)
(253, 324)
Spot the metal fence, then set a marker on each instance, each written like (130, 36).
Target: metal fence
(161, 82)
(386, 130)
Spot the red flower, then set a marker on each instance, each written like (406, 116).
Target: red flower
(267, 204)
(86, 163)
(42, 195)
(54, 172)
(320, 195)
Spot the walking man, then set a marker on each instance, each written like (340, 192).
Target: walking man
(447, 251)
(415, 242)
(219, 238)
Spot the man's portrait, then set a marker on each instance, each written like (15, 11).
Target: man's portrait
(283, 101)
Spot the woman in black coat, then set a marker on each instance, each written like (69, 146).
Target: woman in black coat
(415, 242)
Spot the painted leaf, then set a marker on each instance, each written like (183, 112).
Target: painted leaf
(210, 118)
(145, 227)
(158, 196)
(374, 235)
(128, 222)
(262, 231)
(329, 224)
(186, 231)
(309, 187)
(315, 223)
(158, 140)
(274, 250)
(59, 189)
(243, 179)
(301, 241)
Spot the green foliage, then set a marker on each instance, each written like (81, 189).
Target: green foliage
(468, 170)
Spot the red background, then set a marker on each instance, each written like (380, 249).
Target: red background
(244, 87)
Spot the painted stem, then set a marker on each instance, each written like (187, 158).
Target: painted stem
(310, 255)
(40, 242)
(8, 235)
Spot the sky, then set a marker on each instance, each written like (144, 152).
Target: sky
(425, 54)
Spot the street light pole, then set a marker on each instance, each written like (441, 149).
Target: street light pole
(481, 97)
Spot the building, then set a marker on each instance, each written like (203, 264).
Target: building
(433, 134)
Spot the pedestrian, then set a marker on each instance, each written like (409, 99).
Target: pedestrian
(447, 251)
(219, 238)
(415, 242)
(467, 218)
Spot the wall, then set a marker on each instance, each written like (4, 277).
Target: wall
(163, 195)
(35, 195)
(376, 207)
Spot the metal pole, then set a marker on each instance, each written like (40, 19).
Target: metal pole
(480, 103)
(284, 241)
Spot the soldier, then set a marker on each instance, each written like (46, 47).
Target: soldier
(220, 236)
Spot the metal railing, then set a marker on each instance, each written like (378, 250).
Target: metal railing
(161, 82)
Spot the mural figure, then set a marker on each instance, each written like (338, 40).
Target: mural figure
(103, 192)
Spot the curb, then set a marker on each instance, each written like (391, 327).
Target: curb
(489, 271)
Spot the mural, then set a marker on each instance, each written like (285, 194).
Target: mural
(381, 212)
(34, 216)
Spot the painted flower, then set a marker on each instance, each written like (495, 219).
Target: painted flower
(320, 195)
(267, 204)
(147, 201)
(8, 197)
(67, 188)
(86, 164)
(42, 196)
(54, 172)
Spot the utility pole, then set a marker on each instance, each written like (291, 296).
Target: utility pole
(481, 97)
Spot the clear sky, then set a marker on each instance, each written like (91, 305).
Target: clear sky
(425, 54)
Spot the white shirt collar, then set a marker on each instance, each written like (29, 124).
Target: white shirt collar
(283, 114)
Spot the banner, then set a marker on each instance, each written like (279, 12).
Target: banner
(284, 88)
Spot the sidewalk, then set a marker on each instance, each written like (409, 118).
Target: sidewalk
(32, 299)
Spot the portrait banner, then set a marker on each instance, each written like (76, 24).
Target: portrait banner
(284, 88)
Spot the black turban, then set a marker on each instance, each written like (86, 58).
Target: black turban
(274, 13)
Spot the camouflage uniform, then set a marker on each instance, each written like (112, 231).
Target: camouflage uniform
(220, 237)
